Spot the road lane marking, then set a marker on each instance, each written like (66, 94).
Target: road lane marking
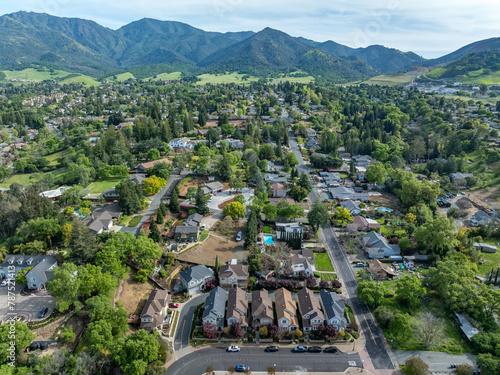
(373, 337)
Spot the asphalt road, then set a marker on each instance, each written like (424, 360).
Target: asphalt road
(153, 206)
(181, 339)
(373, 334)
(259, 360)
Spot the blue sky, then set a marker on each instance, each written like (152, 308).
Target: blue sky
(428, 28)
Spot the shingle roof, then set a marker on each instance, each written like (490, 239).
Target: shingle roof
(236, 269)
(197, 273)
(285, 306)
(237, 305)
(307, 303)
(216, 302)
(262, 305)
(332, 307)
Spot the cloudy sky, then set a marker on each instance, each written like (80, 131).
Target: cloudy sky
(430, 28)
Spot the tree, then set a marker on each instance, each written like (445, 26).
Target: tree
(298, 193)
(376, 173)
(384, 316)
(134, 352)
(311, 282)
(234, 209)
(263, 331)
(40, 228)
(292, 159)
(270, 211)
(488, 363)
(342, 216)
(145, 253)
(401, 327)
(154, 232)
(271, 370)
(327, 331)
(191, 192)
(236, 183)
(82, 243)
(240, 198)
(153, 154)
(298, 333)
(67, 334)
(209, 330)
(429, 328)
(236, 331)
(159, 215)
(371, 292)
(293, 211)
(226, 224)
(153, 185)
(409, 289)
(224, 170)
(304, 182)
(465, 369)
(21, 276)
(437, 234)
(174, 201)
(318, 215)
(201, 202)
(23, 337)
(131, 196)
(64, 286)
(415, 366)
(212, 136)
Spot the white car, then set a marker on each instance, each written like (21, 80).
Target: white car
(7, 282)
(233, 348)
(203, 227)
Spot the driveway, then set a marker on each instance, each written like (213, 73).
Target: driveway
(226, 195)
(183, 330)
(27, 306)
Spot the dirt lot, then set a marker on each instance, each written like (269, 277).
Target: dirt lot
(132, 294)
(195, 182)
(386, 199)
(485, 197)
(217, 244)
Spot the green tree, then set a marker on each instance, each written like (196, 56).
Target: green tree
(401, 327)
(376, 173)
(437, 234)
(201, 202)
(342, 216)
(40, 229)
(64, 286)
(224, 170)
(146, 252)
(240, 198)
(21, 276)
(153, 154)
(212, 136)
(174, 201)
(291, 159)
(153, 185)
(134, 352)
(371, 292)
(99, 335)
(293, 211)
(298, 193)
(270, 211)
(82, 243)
(234, 209)
(409, 289)
(304, 182)
(318, 215)
(154, 232)
(416, 366)
(191, 192)
(236, 183)
(67, 334)
(23, 337)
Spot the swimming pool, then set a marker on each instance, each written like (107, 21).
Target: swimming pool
(268, 239)
(384, 209)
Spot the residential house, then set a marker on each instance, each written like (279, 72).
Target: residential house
(460, 179)
(362, 160)
(310, 133)
(485, 248)
(155, 311)
(303, 260)
(215, 308)
(194, 220)
(180, 143)
(274, 178)
(236, 143)
(138, 177)
(237, 308)
(212, 188)
(37, 277)
(342, 193)
(278, 190)
(275, 201)
(352, 206)
(334, 309)
(283, 229)
(195, 278)
(379, 270)
(310, 309)
(262, 309)
(110, 194)
(331, 179)
(378, 247)
(286, 310)
(187, 233)
(480, 218)
(466, 326)
(101, 219)
(143, 167)
(311, 144)
(363, 224)
(233, 275)
(54, 194)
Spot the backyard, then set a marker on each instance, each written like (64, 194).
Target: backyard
(132, 293)
(323, 262)
(100, 186)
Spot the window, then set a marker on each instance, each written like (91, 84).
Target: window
(33, 279)
(283, 321)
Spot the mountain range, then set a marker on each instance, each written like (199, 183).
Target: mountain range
(150, 46)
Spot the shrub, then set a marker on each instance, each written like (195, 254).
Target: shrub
(67, 334)
(141, 276)
(336, 284)
(393, 241)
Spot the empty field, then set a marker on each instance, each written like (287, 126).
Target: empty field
(122, 77)
(34, 74)
(215, 79)
(174, 76)
(389, 80)
(100, 186)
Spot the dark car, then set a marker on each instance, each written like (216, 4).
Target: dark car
(314, 349)
(42, 312)
(331, 349)
(272, 349)
(241, 368)
(300, 349)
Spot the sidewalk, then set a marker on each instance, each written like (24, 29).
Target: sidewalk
(349, 371)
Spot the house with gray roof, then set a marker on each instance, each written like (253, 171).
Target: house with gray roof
(195, 278)
(342, 193)
(212, 188)
(101, 219)
(194, 220)
(38, 276)
(352, 206)
(333, 309)
(262, 309)
(378, 247)
(139, 177)
(310, 309)
(215, 308)
(466, 326)
(186, 233)
(480, 218)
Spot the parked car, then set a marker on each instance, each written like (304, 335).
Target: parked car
(314, 349)
(5, 282)
(203, 227)
(173, 305)
(273, 348)
(42, 312)
(241, 368)
(233, 348)
(238, 236)
(331, 349)
(300, 349)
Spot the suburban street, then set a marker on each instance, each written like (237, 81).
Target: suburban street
(184, 324)
(259, 360)
(373, 334)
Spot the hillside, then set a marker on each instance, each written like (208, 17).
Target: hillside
(479, 46)
(270, 51)
(480, 67)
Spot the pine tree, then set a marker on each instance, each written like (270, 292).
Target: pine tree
(286, 139)
(174, 201)
(159, 216)
(201, 202)
(216, 268)
(154, 232)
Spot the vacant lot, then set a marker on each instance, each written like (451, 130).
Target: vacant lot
(133, 294)
(188, 182)
(218, 244)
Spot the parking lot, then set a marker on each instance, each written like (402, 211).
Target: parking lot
(26, 306)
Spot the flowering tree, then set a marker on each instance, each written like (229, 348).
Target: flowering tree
(210, 284)
(327, 331)
(236, 331)
(336, 284)
(209, 330)
(323, 284)
(273, 330)
(311, 282)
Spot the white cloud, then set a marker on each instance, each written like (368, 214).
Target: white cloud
(427, 27)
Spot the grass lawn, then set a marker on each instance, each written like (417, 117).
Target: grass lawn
(266, 229)
(121, 77)
(135, 221)
(34, 74)
(102, 185)
(52, 158)
(322, 261)
(82, 78)
(328, 276)
(204, 235)
(21, 178)
(493, 259)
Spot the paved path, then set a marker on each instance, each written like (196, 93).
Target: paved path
(437, 361)
(376, 346)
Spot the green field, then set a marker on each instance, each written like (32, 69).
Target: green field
(389, 80)
(204, 235)
(52, 158)
(304, 80)
(215, 79)
(97, 187)
(174, 76)
(322, 261)
(121, 77)
(33, 74)
(473, 77)
(23, 179)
